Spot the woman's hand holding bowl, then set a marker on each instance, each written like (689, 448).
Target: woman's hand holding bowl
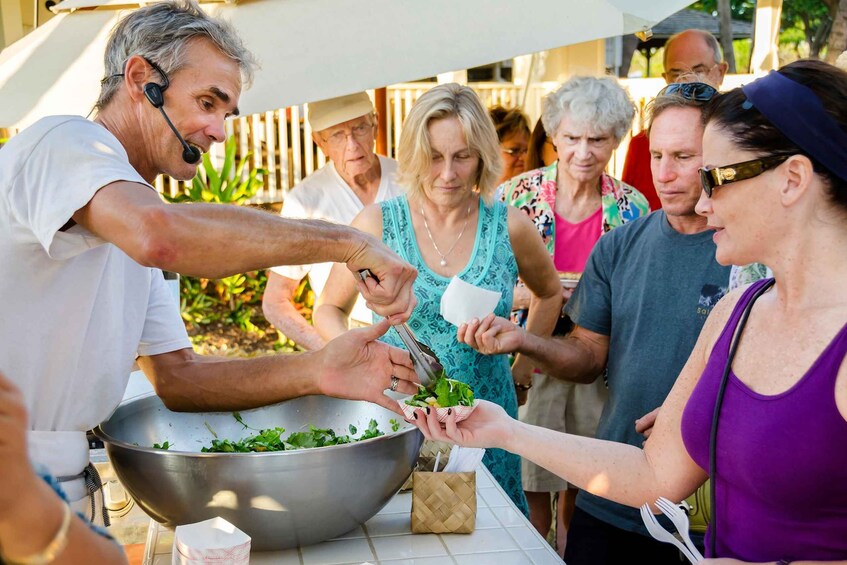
(487, 426)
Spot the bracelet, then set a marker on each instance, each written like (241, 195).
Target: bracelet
(53, 549)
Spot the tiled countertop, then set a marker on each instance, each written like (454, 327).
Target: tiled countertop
(503, 536)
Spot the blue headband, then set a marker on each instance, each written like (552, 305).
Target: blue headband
(796, 111)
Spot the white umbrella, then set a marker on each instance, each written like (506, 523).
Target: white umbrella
(315, 49)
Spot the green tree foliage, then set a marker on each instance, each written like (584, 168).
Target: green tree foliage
(808, 21)
(804, 22)
(743, 10)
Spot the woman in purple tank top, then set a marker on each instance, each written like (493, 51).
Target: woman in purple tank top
(768, 377)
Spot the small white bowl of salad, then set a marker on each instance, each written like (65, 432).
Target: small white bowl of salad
(442, 396)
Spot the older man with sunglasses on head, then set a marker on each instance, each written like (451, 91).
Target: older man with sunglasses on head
(639, 307)
(690, 55)
(354, 176)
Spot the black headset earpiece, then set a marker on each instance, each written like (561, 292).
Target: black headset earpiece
(154, 94)
(190, 154)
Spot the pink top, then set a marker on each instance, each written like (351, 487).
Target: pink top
(574, 242)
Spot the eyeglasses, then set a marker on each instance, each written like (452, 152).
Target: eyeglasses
(673, 74)
(711, 177)
(358, 132)
(697, 91)
(514, 151)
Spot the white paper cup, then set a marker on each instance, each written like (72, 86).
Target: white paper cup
(210, 541)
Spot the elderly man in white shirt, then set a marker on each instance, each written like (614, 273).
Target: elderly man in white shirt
(344, 128)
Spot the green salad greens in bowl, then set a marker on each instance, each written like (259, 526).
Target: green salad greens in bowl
(271, 439)
(295, 473)
(442, 395)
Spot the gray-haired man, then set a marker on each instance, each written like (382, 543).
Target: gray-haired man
(85, 234)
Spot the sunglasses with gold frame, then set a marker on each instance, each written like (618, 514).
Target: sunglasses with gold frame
(712, 177)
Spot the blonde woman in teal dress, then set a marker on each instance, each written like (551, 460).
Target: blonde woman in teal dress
(447, 225)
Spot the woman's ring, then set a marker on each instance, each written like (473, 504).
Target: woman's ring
(394, 382)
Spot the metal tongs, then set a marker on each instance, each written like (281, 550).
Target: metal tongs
(425, 361)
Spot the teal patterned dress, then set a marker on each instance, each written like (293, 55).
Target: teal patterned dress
(492, 266)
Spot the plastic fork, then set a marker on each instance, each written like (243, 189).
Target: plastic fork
(680, 519)
(661, 534)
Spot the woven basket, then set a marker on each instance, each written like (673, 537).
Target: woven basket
(426, 458)
(443, 503)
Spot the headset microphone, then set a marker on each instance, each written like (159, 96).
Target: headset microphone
(156, 97)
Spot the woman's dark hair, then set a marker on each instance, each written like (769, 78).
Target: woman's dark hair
(535, 151)
(750, 130)
(508, 121)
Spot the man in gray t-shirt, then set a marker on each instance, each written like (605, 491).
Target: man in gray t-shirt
(639, 307)
(647, 289)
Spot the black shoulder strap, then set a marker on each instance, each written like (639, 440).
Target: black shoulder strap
(713, 436)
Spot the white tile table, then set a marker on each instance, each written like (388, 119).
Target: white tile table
(503, 536)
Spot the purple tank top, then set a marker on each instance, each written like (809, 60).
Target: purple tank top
(781, 488)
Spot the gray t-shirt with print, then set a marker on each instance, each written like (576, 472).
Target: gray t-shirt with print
(650, 289)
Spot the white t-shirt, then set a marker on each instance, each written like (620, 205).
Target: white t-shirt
(77, 310)
(324, 195)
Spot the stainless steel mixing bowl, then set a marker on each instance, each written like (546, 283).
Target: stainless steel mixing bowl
(280, 499)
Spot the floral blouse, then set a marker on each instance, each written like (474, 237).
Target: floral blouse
(534, 192)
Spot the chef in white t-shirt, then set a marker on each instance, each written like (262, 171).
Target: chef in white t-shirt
(84, 237)
(354, 176)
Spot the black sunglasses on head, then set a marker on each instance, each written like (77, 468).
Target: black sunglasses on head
(711, 177)
(697, 91)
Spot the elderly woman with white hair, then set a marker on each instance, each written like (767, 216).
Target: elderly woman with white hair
(572, 203)
(449, 225)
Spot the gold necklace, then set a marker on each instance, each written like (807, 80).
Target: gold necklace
(443, 256)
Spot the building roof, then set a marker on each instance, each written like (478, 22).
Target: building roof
(693, 19)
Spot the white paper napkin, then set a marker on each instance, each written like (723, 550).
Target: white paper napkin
(464, 459)
(462, 302)
(210, 541)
